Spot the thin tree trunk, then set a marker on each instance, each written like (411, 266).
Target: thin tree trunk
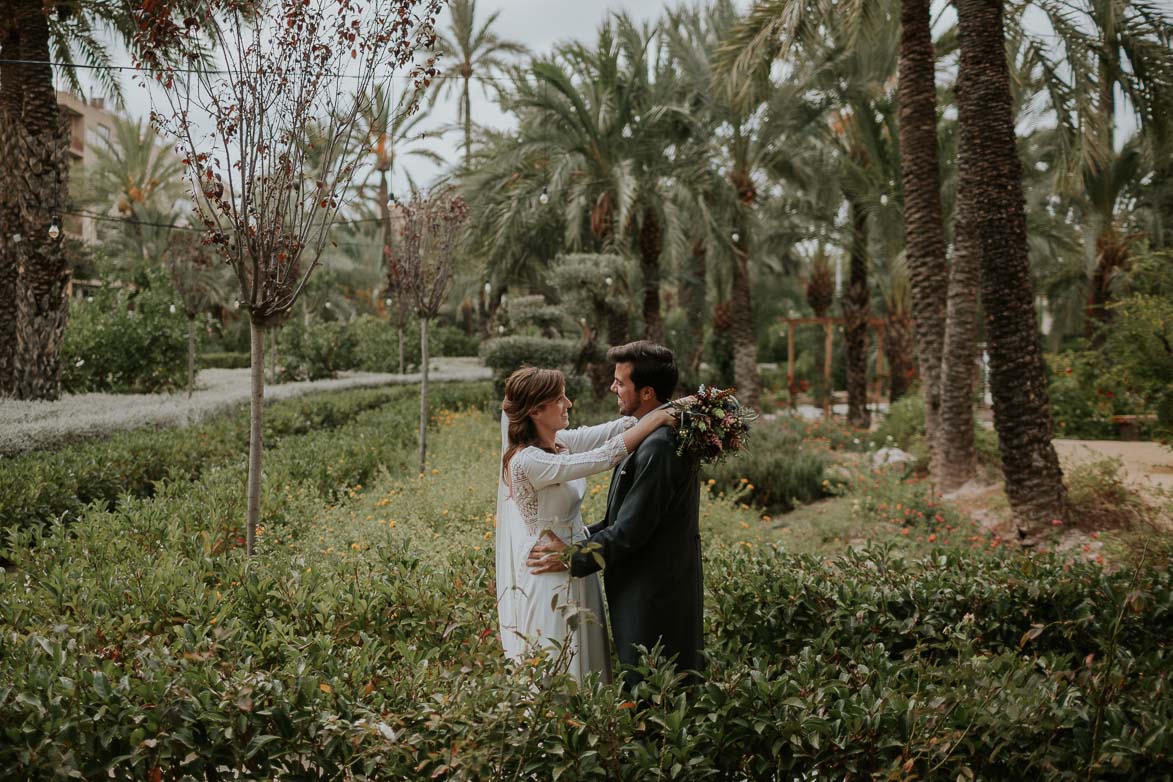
(693, 290)
(1018, 383)
(42, 172)
(402, 368)
(255, 432)
(423, 393)
(741, 327)
(467, 125)
(191, 355)
(923, 224)
(649, 257)
(856, 308)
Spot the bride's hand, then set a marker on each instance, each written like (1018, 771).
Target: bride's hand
(546, 555)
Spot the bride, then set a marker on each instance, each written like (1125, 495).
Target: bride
(543, 470)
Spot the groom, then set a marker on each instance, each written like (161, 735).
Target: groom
(649, 540)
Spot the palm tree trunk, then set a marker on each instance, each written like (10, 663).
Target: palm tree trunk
(693, 289)
(856, 308)
(191, 355)
(1018, 383)
(900, 347)
(741, 326)
(42, 170)
(10, 106)
(467, 125)
(956, 457)
(923, 225)
(255, 432)
(649, 257)
(423, 393)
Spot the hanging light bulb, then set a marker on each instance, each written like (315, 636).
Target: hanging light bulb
(736, 236)
(488, 288)
(55, 227)
(608, 281)
(17, 238)
(391, 201)
(387, 301)
(171, 309)
(544, 198)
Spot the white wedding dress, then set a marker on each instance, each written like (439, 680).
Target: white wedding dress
(553, 611)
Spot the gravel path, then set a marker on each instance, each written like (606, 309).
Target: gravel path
(1144, 462)
(26, 426)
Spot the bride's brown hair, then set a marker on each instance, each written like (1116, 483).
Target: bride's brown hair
(526, 391)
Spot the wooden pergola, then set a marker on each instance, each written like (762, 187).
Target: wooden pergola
(875, 386)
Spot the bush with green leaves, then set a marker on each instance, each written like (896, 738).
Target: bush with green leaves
(505, 355)
(775, 473)
(125, 342)
(43, 486)
(222, 360)
(367, 344)
(137, 646)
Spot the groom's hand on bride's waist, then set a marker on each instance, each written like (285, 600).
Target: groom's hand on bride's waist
(546, 555)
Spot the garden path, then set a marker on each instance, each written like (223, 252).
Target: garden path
(1146, 463)
(27, 426)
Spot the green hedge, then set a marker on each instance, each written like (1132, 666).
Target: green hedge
(369, 344)
(504, 355)
(140, 643)
(125, 342)
(42, 486)
(224, 360)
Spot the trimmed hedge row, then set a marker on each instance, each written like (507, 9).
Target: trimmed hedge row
(41, 486)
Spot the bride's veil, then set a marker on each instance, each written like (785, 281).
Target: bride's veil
(508, 593)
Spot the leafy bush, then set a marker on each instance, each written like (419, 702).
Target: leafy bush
(140, 648)
(1084, 397)
(224, 360)
(368, 344)
(125, 342)
(776, 473)
(504, 355)
(903, 424)
(42, 486)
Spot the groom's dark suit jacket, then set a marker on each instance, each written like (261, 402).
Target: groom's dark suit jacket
(651, 546)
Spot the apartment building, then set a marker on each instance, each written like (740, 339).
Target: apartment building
(91, 126)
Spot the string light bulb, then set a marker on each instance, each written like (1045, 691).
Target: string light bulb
(544, 198)
(488, 288)
(736, 236)
(55, 227)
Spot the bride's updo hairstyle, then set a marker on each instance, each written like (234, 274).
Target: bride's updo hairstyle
(526, 391)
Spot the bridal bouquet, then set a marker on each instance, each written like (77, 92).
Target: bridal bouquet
(713, 424)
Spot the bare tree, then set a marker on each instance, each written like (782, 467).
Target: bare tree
(423, 262)
(265, 115)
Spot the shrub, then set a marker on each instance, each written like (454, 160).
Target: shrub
(138, 649)
(125, 342)
(504, 355)
(224, 360)
(317, 351)
(42, 486)
(776, 473)
(903, 424)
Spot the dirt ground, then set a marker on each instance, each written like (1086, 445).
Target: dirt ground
(1144, 462)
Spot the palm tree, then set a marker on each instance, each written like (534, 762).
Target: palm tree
(1120, 47)
(923, 226)
(599, 126)
(35, 184)
(478, 52)
(136, 175)
(992, 217)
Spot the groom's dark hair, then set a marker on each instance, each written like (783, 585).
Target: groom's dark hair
(652, 365)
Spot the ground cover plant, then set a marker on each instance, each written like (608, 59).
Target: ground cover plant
(41, 486)
(360, 642)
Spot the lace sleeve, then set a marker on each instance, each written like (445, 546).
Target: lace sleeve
(540, 468)
(586, 438)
